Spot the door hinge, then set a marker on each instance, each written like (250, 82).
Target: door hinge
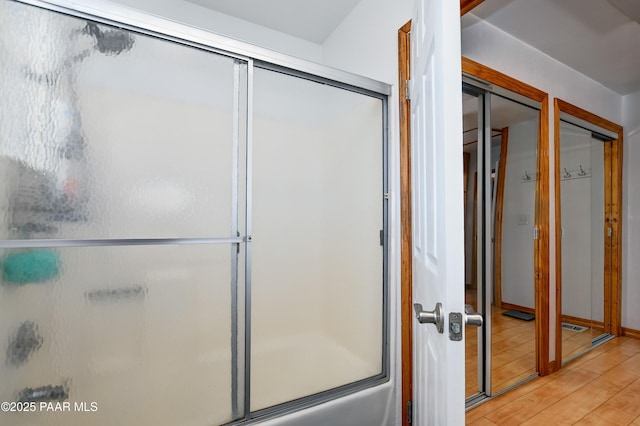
(536, 233)
(407, 95)
(382, 237)
(409, 412)
(609, 231)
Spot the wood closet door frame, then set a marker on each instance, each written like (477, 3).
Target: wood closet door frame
(613, 218)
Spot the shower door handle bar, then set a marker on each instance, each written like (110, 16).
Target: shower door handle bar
(472, 317)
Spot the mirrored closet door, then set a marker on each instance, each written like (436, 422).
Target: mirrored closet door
(583, 195)
(514, 164)
(500, 161)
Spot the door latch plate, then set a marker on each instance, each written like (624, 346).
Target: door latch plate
(455, 326)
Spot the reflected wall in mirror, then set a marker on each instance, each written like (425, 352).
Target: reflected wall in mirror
(514, 156)
(582, 198)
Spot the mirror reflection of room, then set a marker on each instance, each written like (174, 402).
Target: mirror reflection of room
(502, 275)
(513, 310)
(582, 197)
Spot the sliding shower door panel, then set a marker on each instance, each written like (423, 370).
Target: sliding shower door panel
(121, 207)
(141, 331)
(317, 259)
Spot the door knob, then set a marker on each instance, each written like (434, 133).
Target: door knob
(434, 317)
(472, 317)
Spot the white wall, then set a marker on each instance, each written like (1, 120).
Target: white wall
(366, 42)
(631, 209)
(492, 47)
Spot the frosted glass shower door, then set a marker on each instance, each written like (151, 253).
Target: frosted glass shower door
(143, 332)
(317, 288)
(119, 235)
(110, 134)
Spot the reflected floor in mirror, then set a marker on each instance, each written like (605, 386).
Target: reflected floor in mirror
(513, 350)
(599, 388)
(576, 342)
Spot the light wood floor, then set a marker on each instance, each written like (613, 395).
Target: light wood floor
(601, 387)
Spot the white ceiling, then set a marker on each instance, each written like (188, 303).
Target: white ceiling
(599, 38)
(312, 20)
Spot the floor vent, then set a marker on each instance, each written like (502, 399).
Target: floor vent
(573, 327)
